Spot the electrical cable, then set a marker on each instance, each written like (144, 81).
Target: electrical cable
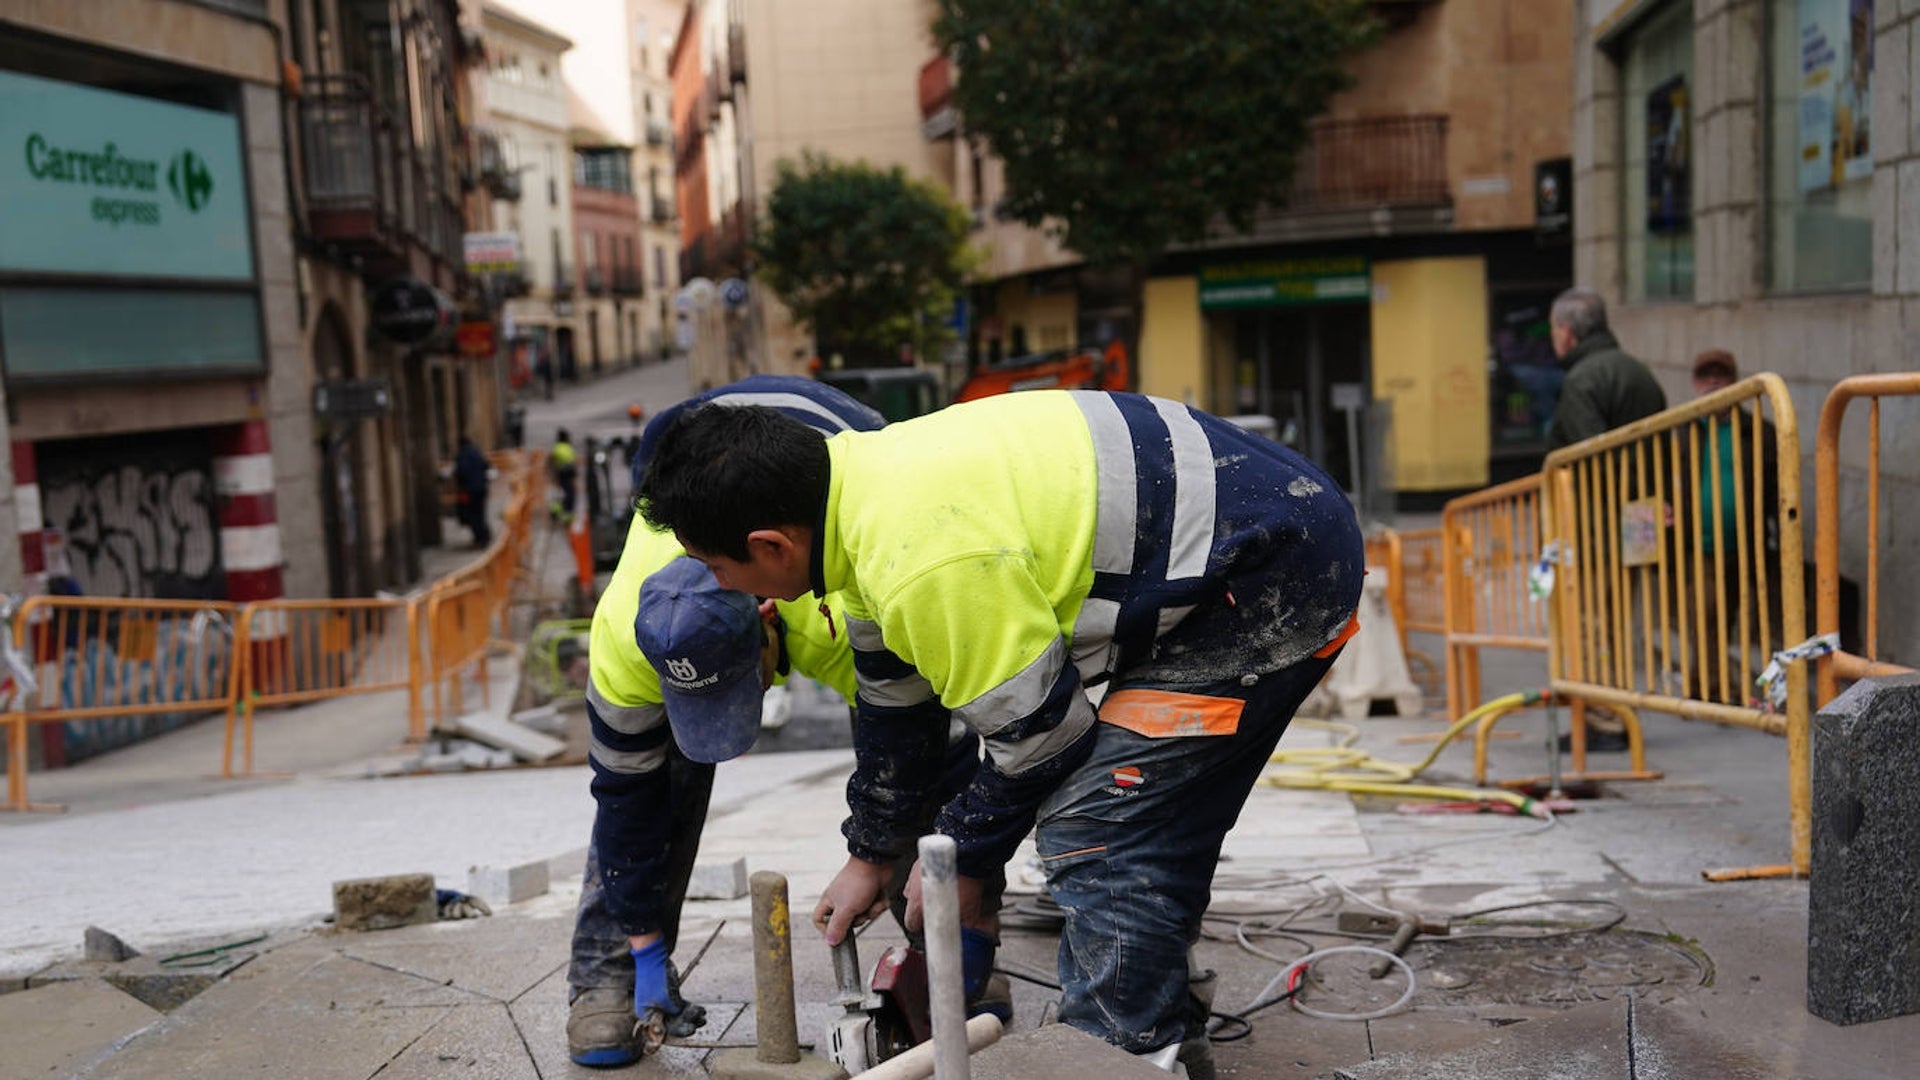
(1318, 1014)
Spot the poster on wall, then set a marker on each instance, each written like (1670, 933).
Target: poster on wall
(1836, 92)
(1668, 175)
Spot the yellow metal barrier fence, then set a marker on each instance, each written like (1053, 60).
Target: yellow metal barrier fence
(458, 623)
(1830, 669)
(1680, 571)
(301, 651)
(1492, 541)
(1424, 569)
(98, 658)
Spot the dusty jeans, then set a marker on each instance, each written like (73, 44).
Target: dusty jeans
(1130, 843)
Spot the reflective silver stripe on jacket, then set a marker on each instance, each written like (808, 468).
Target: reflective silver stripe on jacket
(783, 401)
(1020, 697)
(628, 720)
(906, 691)
(1193, 499)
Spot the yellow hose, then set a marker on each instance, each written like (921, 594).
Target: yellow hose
(1343, 768)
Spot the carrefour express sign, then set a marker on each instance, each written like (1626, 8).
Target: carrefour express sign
(97, 182)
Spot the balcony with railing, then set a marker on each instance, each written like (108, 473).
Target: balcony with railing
(937, 118)
(1385, 161)
(628, 281)
(596, 281)
(368, 190)
(659, 132)
(1373, 176)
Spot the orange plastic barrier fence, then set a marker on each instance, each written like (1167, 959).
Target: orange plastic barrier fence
(1492, 541)
(1830, 669)
(97, 658)
(301, 651)
(458, 621)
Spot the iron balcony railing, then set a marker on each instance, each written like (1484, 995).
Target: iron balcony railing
(367, 186)
(1381, 161)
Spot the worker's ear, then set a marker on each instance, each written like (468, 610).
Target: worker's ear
(777, 545)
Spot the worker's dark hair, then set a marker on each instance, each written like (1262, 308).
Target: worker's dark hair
(720, 472)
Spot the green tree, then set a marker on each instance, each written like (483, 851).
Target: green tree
(1128, 125)
(867, 259)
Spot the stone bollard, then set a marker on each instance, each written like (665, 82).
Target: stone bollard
(1863, 959)
(777, 1055)
(946, 981)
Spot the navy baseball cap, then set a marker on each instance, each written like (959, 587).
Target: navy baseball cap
(704, 642)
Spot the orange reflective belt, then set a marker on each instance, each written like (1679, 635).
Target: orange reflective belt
(1345, 635)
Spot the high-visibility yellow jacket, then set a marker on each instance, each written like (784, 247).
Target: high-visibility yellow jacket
(997, 556)
(629, 730)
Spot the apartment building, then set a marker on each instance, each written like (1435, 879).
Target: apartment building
(379, 163)
(527, 112)
(1397, 297)
(758, 81)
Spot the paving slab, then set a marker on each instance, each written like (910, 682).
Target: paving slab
(1057, 1052)
(300, 1011)
(474, 1042)
(493, 957)
(1589, 1042)
(56, 1030)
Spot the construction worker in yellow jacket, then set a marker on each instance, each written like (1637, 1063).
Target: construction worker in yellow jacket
(996, 559)
(678, 666)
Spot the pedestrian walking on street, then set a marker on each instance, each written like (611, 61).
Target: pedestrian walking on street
(995, 559)
(563, 464)
(471, 480)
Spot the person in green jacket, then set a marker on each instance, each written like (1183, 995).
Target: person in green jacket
(1605, 387)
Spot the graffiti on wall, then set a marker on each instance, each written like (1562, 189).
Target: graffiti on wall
(138, 530)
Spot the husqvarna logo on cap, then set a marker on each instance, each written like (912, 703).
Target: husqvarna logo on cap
(683, 670)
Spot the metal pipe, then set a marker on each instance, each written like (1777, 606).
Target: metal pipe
(946, 989)
(777, 1028)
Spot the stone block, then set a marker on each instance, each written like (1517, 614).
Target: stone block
(1058, 1052)
(101, 945)
(718, 881)
(510, 884)
(1906, 278)
(742, 1063)
(1863, 959)
(384, 902)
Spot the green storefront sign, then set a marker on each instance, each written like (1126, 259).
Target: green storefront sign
(1281, 282)
(98, 182)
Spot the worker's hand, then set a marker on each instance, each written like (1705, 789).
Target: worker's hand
(650, 987)
(857, 895)
(972, 907)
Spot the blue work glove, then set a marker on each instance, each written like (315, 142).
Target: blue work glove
(650, 988)
(976, 968)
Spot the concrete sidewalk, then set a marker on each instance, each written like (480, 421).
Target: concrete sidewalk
(1695, 980)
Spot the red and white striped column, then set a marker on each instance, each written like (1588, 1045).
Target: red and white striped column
(249, 525)
(28, 519)
(250, 538)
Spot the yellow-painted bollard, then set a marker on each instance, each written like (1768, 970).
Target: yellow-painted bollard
(776, 1055)
(778, 1027)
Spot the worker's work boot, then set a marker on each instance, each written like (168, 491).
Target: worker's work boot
(601, 1032)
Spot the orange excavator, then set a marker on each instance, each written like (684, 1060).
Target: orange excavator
(1084, 367)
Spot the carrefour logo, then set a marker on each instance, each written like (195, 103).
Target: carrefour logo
(192, 184)
(129, 178)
